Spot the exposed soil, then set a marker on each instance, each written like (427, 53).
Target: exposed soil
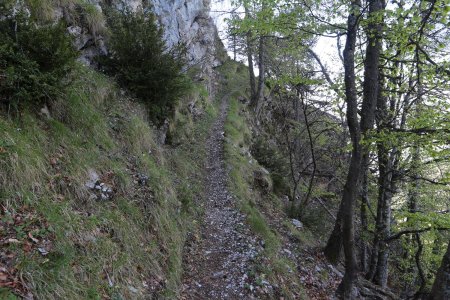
(217, 266)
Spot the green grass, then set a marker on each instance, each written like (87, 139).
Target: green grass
(102, 248)
(241, 176)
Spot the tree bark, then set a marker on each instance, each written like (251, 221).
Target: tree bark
(363, 247)
(379, 263)
(307, 197)
(259, 98)
(334, 245)
(343, 232)
(383, 226)
(422, 278)
(251, 71)
(357, 130)
(441, 286)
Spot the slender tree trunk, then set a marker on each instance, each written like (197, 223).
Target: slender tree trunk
(309, 191)
(363, 254)
(348, 229)
(441, 286)
(413, 195)
(357, 130)
(384, 220)
(334, 245)
(294, 154)
(343, 232)
(261, 78)
(234, 47)
(417, 257)
(251, 72)
(380, 254)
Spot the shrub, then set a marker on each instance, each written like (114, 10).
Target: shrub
(34, 60)
(269, 157)
(142, 63)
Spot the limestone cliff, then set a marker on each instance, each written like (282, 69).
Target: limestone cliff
(189, 22)
(184, 21)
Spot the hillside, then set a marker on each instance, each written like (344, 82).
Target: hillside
(94, 206)
(139, 161)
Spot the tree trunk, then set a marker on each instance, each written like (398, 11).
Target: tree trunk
(441, 286)
(357, 130)
(380, 254)
(250, 61)
(383, 226)
(417, 257)
(309, 191)
(261, 78)
(234, 47)
(334, 245)
(363, 248)
(343, 233)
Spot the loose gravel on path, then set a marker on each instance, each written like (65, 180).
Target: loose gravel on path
(217, 266)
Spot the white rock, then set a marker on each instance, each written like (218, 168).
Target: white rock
(297, 223)
(93, 179)
(287, 251)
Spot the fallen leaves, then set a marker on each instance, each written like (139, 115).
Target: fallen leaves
(316, 275)
(3, 277)
(35, 240)
(9, 278)
(22, 232)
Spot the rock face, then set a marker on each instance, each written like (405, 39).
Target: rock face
(184, 21)
(188, 21)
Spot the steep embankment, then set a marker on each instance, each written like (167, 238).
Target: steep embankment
(91, 205)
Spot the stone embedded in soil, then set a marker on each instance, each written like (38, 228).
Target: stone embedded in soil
(297, 223)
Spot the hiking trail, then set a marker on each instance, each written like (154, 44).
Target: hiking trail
(217, 266)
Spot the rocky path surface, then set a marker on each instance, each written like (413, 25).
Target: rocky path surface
(217, 266)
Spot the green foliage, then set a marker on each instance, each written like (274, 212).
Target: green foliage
(275, 162)
(143, 64)
(34, 60)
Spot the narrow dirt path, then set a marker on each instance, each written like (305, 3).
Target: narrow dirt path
(217, 266)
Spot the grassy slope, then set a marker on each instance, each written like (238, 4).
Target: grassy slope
(127, 247)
